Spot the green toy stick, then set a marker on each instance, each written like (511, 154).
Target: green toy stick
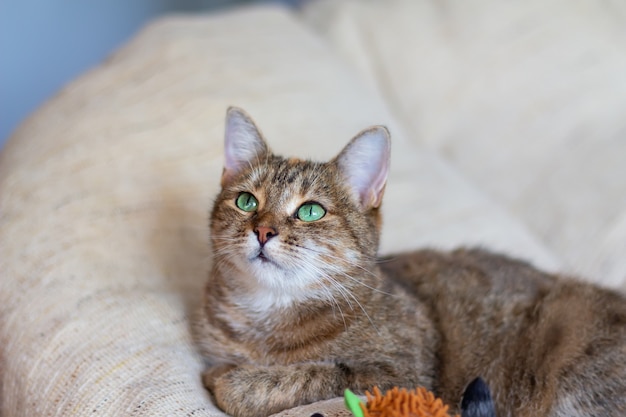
(353, 403)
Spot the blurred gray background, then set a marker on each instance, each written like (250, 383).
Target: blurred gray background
(46, 43)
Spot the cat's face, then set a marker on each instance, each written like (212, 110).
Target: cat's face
(294, 228)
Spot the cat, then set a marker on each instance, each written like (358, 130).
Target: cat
(298, 306)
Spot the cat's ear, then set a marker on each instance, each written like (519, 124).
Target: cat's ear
(364, 163)
(243, 143)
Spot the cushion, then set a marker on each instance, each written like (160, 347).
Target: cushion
(105, 198)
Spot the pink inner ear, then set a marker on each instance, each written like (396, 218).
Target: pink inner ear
(365, 162)
(243, 143)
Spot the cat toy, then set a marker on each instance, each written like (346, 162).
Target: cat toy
(397, 402)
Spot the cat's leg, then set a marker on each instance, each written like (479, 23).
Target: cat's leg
(250, 390)
(210, 376)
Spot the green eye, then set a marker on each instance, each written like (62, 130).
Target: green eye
(310, 212)
(247, 202)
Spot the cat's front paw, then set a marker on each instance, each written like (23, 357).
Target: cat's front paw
(248, 391)
(210, 376)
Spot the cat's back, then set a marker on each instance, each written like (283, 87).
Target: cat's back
(478, 277)
(466, 273)
(534, 336)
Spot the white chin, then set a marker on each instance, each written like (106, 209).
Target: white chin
(277, 279)
(269, 274)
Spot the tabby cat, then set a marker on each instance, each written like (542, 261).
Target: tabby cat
(299, 307)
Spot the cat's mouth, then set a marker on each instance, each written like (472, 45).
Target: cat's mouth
(264, 258)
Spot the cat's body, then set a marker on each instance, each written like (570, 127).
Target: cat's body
(546, 345)
(298, 307)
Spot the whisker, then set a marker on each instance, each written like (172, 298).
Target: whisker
(227, 239)
(335, 303)
(320, 273)
(349, 262)
(341, 289)
(339, 270)
(361, 307)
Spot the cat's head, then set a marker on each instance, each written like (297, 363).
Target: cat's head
(294, 226)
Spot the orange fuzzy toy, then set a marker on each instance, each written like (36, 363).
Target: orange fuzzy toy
(402, 403)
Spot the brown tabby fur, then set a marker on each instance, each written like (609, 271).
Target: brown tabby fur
(547, 345)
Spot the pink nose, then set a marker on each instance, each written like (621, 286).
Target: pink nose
(264, 233)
